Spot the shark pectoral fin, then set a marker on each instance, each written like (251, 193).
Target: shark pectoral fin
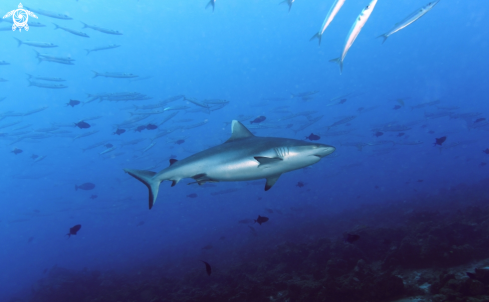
(271, 181)
(146, 177)
(239, 131)
(267, 160)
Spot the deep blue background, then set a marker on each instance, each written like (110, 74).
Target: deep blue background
(244, 52)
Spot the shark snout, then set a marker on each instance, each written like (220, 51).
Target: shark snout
(324, 150)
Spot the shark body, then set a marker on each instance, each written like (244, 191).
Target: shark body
(243, 157)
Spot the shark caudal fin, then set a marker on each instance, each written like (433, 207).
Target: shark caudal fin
(317, 36)
(339, 62)
(383, 36)
(146, 177)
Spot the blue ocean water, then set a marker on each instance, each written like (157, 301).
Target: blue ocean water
(428, 79)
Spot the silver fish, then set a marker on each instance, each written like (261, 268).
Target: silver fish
(111, 46)
(36, 44)
(354, 31)
(102, 30)
(119, 75)
(409, 19)
(71, 31)
(335, 8)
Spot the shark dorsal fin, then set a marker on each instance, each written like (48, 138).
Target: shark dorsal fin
(239, 131)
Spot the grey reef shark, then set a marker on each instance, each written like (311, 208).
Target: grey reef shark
(242, 157)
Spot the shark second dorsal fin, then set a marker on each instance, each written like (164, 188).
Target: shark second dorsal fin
(239, 131)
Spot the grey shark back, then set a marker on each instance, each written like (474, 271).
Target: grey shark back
(242, 157)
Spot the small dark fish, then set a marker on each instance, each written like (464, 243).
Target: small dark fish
(258, 120)
(245, 221)
(279, 212)
(193, 195)
(261, 219)
(440, 141)
(480, 120)
(269, 210)
(85, 186)
(222, 238)
(30, 239)
(397, 107)
(360, 109)
(73, 103)
(93, 196)
(17, 151)
(151, 127)
(119, 131)
(82, 125)
(400, 134)
(180, 141)
(140, 223)
(140, 128)
(37, 211)
(109, 145)
(342, 101)
(300, 184)
(208, 247)
(431, 132)
(386, 241)
(313, 137)
(424, 126)
(378, 133)
(74, 230)
(207, 268)
(289, 126)
(351, 238)
(420, 180)
(483, 164)
(45, 271)
(34, 156)
(486, 151)
(377, 187)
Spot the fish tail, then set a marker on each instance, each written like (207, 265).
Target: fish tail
(30, 76)
(84, 25)
(88, 51)
(96, 74)
(76, 188)
(316, 36)
(338, 61)
(147, 178)
(383, 36)
(211, 3)
(18, 41)
(56, 26)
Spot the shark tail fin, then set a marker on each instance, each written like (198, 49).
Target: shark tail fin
(18, 41)
(383, 36)
(146, 177)
(316, 36)
(339, 62)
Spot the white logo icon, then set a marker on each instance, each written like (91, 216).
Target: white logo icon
(20, 17)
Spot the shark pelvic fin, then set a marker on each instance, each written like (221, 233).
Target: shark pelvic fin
(239, 131)
(146, 177)
(267, 160)
(271, 181)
